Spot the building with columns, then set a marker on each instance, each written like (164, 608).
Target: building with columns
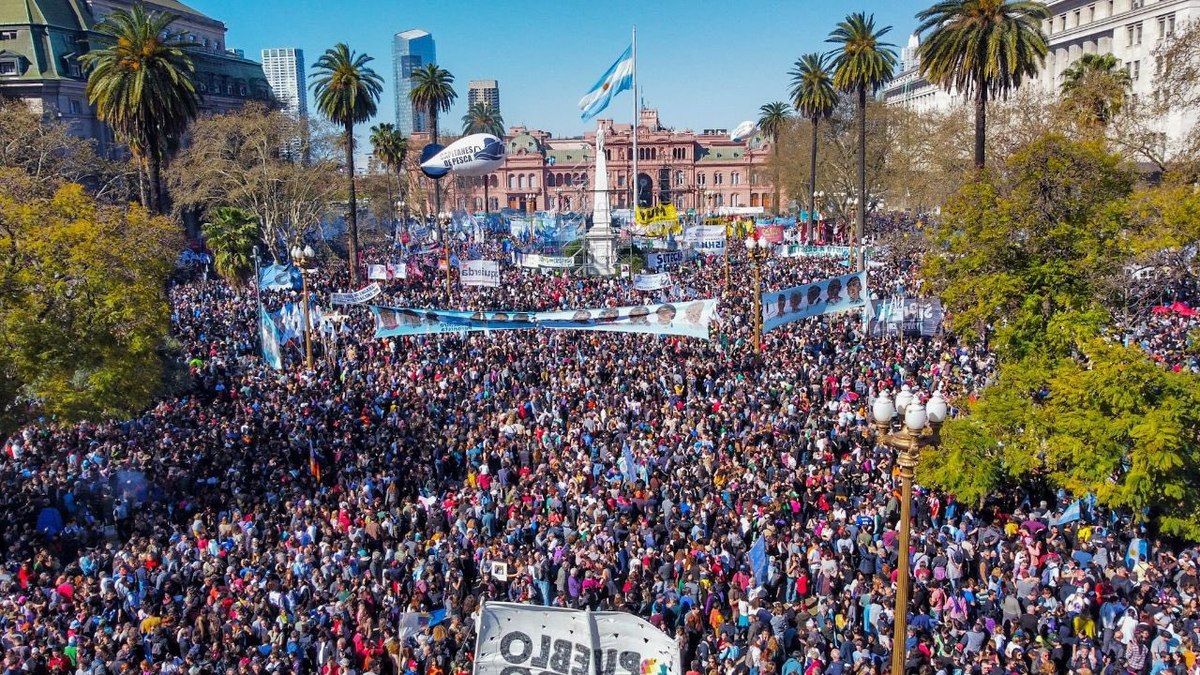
(692, 170)
(1130, 30)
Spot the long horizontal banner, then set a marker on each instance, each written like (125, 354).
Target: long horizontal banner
(485, 273)
(652, 282)
(809, 251)
(703, 232)
(709, 246)
(355, 297)
(689, 319)
(828, 296)
(664, 259)
(526, 639)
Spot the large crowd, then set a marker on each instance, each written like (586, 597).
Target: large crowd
(293, 521)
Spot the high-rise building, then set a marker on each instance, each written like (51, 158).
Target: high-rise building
(411, 50)
(484, 91)
(284, 69)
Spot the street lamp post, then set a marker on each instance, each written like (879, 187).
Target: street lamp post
(445, 218)
(757, 250)
(303, 257)
(813, 221)
(920, 427)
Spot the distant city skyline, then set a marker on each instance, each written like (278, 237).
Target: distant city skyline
(412, 49)
(698, 64)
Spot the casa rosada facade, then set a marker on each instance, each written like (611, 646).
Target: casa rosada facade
(705, 171)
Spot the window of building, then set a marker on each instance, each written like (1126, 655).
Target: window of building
(533, 181)
(718, 178)
(1111, 4)
(1062, 21)
(8, 35)
(735, 178)
(1091, 15)
(699, 179)
(1136, 4)
(1166, 26)
(733, 200)
(620, 180)
(8, 68)
(1078, 16)
(76, 107)
(512, 180)
(679, 178)
(1137, 70)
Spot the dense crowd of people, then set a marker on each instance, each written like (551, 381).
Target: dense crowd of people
(295, 520)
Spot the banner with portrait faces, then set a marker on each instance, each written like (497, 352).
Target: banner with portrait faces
(685, 318)
(828, 296)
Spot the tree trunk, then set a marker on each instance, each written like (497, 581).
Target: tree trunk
(143, 196)
(352, 214)
(980, 127)
(860, 224)
(437, 183)
(154, 165)
(812, 182)
(774, 142)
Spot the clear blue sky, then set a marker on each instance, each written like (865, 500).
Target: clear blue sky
(703, 64)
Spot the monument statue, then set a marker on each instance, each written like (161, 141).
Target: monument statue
(600, 241)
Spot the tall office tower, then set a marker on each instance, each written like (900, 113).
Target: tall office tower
(483, 91)
(284, 69)
(411, 50)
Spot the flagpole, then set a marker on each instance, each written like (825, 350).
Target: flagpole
(635, 152)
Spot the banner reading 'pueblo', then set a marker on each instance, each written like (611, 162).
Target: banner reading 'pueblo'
(689, 319)
(529, 640)
(828, 296)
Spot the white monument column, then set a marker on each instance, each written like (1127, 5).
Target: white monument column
(601, 243)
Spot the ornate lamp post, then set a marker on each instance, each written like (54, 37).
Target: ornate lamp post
(303, 257)
(758, 250)
(445, 218)
(920, 427)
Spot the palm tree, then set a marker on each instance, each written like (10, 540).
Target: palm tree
(861, 63)
(983, 49)
(433, 90)
(347, 91)
(391, 147)
(141, 84)
(1095, 87)
(230, 235)
(483, 118)
(815, 98)
(772, 118)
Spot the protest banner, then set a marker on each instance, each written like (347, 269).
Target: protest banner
(651, 282)
(485, 273)
(355, 297)
(828, 296)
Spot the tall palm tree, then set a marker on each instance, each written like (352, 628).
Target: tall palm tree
(230, 235)
(983, 49)
(1095, 87)
(863, 62)
(815, 98)
(772, 119)
(347, 91)
(433, 90)
(141, 84)
(483, 118)
(391, 147)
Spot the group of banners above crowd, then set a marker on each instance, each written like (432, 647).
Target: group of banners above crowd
(685, 316)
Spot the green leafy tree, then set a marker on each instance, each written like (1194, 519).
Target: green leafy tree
(347, 92)
(433, 90)
(141, 84)
(983, 49)
(861, 63)
(1094, 89)
(231, 234)
(83, 306)
(772, 119)
(814, 96)
(390, 147)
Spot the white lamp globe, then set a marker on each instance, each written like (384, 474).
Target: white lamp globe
(936, 408)
(882, 409)
(904, 398)
(915, 416)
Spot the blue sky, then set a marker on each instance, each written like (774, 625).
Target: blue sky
(703, 64)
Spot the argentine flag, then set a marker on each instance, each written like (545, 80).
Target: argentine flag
(615, 80)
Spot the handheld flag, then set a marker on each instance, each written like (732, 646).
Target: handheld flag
(758, 561)
(615, 80)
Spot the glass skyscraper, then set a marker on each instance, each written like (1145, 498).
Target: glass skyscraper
(411, 50)
(284, 69)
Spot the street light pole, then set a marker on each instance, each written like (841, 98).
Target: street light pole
(302, 257)
(920, 427)
(445, 219)
(757, 250)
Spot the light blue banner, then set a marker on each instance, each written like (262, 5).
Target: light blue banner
(828, 296)
(279, 278)
(268, 332)
(398, 321)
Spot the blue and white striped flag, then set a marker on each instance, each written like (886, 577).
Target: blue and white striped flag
(615, 80)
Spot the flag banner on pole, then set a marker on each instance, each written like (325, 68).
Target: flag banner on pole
(484, 273)
(355, 297)
(268, 332)
(529, 639)
(652, 282)
(615, 80)
(758, 561)
(279, 278)
(690, 319)
(828, 296)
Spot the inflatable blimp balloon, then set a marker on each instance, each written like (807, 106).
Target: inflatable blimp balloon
(743, 131)
(473, 155)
